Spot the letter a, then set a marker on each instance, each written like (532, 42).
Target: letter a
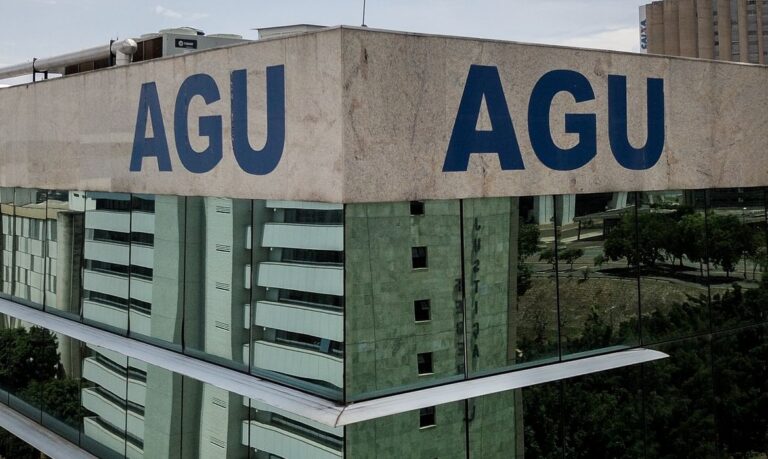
(157, 146)
(483, 81)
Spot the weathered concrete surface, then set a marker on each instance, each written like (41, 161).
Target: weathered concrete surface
(369, 117)
(403, 92)
(77, 132)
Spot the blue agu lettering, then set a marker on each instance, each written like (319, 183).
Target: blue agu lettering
(585, 125)
(483, 82)
(264, 161)
(252, 161)
(157, 146)
(628, 156)
(197, 162)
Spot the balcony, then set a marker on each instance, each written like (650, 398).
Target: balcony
(282, 443)
(113, 411)
(94, 430)
(110, 252)
(301, 363)
(295, 236)
(107, 314)
(300, 319)
(113, 381)
(306, 278)
(108, 220)
(111, 284)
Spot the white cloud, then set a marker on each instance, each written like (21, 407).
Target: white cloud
(173, 14)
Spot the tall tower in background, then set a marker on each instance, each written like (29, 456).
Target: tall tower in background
(728, 30)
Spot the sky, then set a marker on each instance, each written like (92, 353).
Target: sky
(42, 28)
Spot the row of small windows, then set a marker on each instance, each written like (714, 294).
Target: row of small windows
(117, 269)
(313, 256)
(120, 302)
(314, 216)
(136, 203)
(135, 237)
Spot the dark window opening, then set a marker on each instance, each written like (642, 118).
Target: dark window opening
(417, 207)
(313, 256)
(113, 204)
(427, 417)
(312, 299)
(314, 216)
(419, 257)
(421, 310)
(425, 363)
(143, 203)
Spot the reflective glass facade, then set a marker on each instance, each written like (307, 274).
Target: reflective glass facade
(358, 301)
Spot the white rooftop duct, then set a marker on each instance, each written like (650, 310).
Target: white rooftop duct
(122, 49)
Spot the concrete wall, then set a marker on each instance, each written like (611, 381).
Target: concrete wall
(77, 132)
(403, 93)
(369, 118)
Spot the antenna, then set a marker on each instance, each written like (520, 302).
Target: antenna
(363, 24)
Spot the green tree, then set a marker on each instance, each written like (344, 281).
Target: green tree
(729, 240)
(28, 355)
(570, 255)
(548, 255)
(528, 240)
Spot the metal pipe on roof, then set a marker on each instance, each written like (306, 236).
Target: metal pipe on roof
(122, 48)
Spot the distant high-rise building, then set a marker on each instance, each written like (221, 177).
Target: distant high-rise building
(729, 30)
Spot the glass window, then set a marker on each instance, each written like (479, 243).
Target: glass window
(427, 417)
(741, 385)
(29, 246)
(736, 249)
(157, 253)
(382, 287)
(419, 257)
(65, 238)
(107, 261)
(424, 361)
(679, 401)
(674, 291)
(597, 272)
(421, 310)
(417, 207)
(297, 324)
(217, 280)
(510, 282)
(106, 375)
(7, 219)
(418, 433)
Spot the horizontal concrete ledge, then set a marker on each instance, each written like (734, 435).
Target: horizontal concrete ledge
(463, 390)
(38, 436)
(284, 398)
(315, 408)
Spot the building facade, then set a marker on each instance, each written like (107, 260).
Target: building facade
(728, 30)
(359, 243)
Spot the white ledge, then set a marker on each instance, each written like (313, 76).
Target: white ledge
(43, 439)
(316, 408)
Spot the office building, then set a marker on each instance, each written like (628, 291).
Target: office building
(728, 30)
(346, 242)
